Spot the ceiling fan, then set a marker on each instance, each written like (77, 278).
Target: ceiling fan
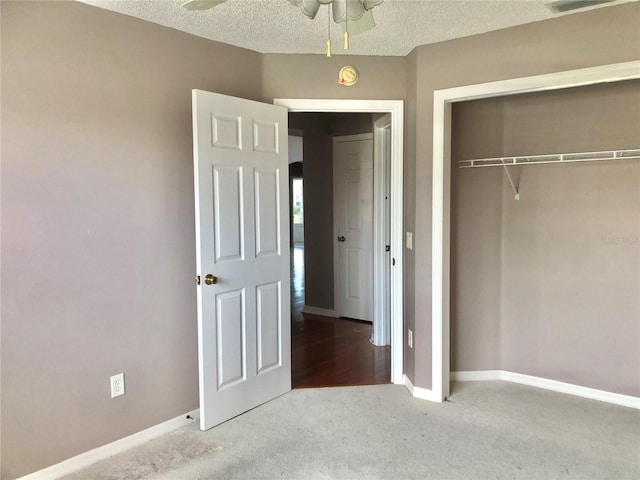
(355, 16)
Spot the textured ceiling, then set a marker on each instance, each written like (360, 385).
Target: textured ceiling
(276, 26)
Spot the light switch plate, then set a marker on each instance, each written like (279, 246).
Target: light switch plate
(410, 240)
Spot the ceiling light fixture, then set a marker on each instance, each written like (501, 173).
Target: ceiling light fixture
(354, 16)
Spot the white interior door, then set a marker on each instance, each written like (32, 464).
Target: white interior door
(242, 238)
(353, 220)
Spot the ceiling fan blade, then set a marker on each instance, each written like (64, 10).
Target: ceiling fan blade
(308, 7)
(201, 4)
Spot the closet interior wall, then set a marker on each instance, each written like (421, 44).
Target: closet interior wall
(548, 285)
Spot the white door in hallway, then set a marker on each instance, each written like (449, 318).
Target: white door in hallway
(353, 225)
(242, 254)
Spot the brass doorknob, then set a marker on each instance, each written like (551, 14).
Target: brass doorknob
(210, 279)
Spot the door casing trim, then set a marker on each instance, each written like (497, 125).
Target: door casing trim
(396, 109)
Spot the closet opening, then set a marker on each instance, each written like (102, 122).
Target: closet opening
(575, 238)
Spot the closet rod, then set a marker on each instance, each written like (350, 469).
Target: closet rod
(633, 154)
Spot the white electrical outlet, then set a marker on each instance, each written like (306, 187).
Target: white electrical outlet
(117, 385)
(410, 338)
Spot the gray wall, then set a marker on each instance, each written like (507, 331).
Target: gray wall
(548, 285)
(97, 210)
(98, 246)
(571, 276)
(476, 260)
(569, 42)
(476, 237)
(316, 76)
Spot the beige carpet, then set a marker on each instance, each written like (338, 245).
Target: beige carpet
(489, 430)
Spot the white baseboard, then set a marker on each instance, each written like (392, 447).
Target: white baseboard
(419, 392)
(554, 385)
(476, 376)
(325, 312)
(85, 459)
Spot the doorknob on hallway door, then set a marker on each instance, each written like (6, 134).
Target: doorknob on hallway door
(210, 279)
(341, 239)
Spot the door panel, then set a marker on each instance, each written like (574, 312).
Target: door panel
(241, 178)
(265, 137)
(269, 350)
(354, 273)
(230, 335)
(352, 187)
(225, 131)
(266, 195)
(228, 213)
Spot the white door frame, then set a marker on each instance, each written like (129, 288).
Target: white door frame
(381, 262)
(441, 214)
(396, 109)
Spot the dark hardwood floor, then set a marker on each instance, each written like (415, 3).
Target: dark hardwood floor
(331, 351)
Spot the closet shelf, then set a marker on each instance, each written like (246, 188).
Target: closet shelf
(552, 158)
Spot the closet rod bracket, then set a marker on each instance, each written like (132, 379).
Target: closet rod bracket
(513, 186)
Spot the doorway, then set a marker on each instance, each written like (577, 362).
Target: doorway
(297, 211)
(326, 350)
(395, 251)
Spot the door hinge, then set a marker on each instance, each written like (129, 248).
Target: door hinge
(387, 248)
(197, 279)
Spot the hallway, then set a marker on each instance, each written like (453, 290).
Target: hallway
(331, 351)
